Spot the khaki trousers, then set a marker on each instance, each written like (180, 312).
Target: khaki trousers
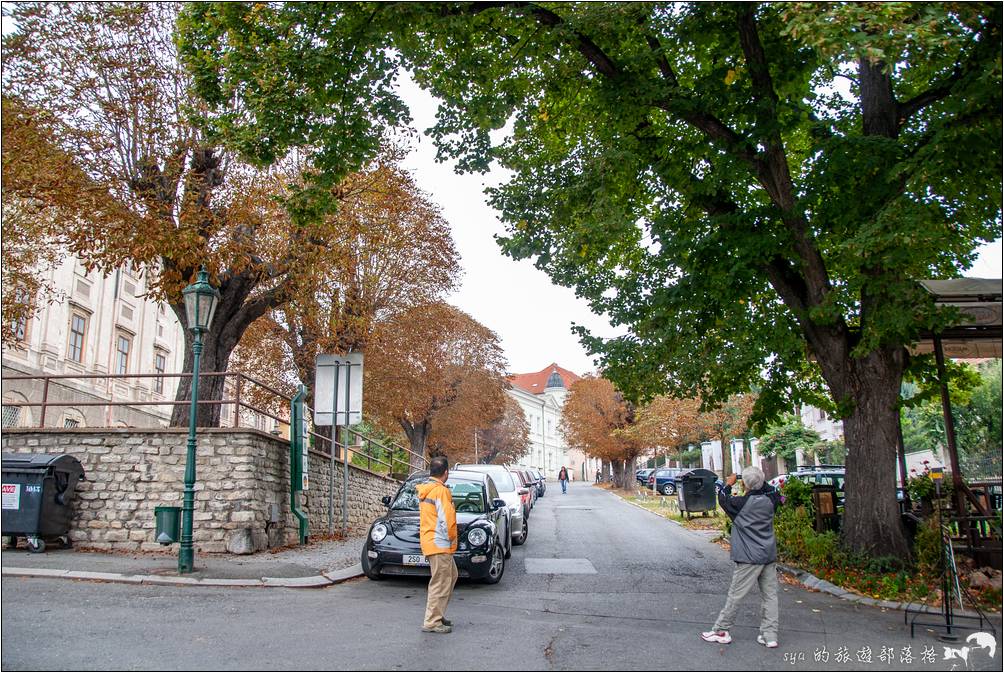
(744, 577)
(444, 577)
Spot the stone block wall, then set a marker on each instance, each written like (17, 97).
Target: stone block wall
(241, 491)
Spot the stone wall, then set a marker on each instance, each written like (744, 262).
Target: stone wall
(241, 491)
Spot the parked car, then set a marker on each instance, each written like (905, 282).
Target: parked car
(530, 481)
(509, 491)
(641, 476)
(527, 491)
(541, 482)
(827, 475)
(535, 479)
(393, 546)
(663, 479)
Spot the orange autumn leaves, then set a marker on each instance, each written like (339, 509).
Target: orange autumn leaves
(598, 420)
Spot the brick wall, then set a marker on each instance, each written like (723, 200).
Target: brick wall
(242, 480)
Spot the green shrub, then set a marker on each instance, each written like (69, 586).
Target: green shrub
(792, 528)
(927, 547)
(796, 492)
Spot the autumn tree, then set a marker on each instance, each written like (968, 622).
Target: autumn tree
(507, 439)
(111, 78)
(725, 422)
(394, 251)
(668, 424)
(44, 194)
(595, 419)
(437, 374)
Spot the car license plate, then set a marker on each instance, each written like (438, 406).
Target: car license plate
(415, 560)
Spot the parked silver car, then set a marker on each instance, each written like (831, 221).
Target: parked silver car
(509, 491)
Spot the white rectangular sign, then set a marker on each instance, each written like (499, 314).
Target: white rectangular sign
(334, 374)
(305, 459)
(11, 496)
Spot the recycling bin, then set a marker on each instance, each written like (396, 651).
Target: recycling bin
(168, 524)
(37, 497)
(696, 491)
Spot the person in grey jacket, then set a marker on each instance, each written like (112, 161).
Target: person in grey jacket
(754, 552)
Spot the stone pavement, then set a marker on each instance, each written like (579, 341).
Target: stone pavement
(317, 564)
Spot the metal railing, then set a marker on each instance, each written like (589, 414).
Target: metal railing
(253, 404)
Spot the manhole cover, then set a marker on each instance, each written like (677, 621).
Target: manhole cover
(559, 566)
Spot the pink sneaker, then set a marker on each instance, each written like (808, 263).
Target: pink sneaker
(722, 637)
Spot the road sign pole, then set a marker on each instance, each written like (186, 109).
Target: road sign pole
(345, 445)
(331, 468)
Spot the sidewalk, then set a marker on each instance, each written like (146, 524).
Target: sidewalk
(317, 564)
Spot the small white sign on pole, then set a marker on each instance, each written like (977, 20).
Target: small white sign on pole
(334, 375)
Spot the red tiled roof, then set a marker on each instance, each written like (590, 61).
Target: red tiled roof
(535, 382)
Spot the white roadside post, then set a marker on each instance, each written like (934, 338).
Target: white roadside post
(338, 401)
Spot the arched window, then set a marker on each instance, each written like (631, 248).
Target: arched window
(73, 418)
(16, 413)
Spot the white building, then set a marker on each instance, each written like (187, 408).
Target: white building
(98, 325)
(542, 395)
(828, 428)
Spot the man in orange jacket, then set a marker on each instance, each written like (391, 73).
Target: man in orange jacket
(438, 533)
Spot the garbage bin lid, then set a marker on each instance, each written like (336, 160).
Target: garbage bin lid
(697, 473)
(36, 461)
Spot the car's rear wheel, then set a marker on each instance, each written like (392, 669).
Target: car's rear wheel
(669, 489)
(521, 538)
(497, 568)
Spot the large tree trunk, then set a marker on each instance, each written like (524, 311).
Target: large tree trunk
(627, 478)
(618, 466)
(234, 314)
(872, 522)
(418, 434)
(216, 350)
(604, 468)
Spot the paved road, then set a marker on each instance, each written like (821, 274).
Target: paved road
(655, 587)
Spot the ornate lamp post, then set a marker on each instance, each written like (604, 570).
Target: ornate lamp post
(201, 299)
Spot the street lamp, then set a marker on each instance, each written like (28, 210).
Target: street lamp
(201, 299)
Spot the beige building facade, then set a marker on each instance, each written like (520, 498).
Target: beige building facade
(98, 330)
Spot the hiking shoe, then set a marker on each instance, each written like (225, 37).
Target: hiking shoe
(722, 637)
(766, 643)
(447, 622)
(438, 628)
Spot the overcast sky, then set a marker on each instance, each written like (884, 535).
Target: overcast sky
(532, 317)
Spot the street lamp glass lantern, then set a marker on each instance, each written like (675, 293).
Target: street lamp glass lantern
(201, 299)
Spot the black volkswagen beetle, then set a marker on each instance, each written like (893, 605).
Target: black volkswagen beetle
(483, 538)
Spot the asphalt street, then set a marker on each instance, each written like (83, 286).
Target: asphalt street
(600, 584)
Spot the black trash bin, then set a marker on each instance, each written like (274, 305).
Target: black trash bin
(696, 491)
(37, 494)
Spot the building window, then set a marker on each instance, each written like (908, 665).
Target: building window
(11, 415)
(122, 346)
(160, 366)
(78, 328)
(71, 423)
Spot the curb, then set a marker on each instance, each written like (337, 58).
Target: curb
(810, 581)
(325, 579)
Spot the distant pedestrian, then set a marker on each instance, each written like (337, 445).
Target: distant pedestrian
(597, 476)
(754, 551)
(563, 479)
(438, 534)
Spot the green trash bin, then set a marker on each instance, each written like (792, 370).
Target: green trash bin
(168, 524)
